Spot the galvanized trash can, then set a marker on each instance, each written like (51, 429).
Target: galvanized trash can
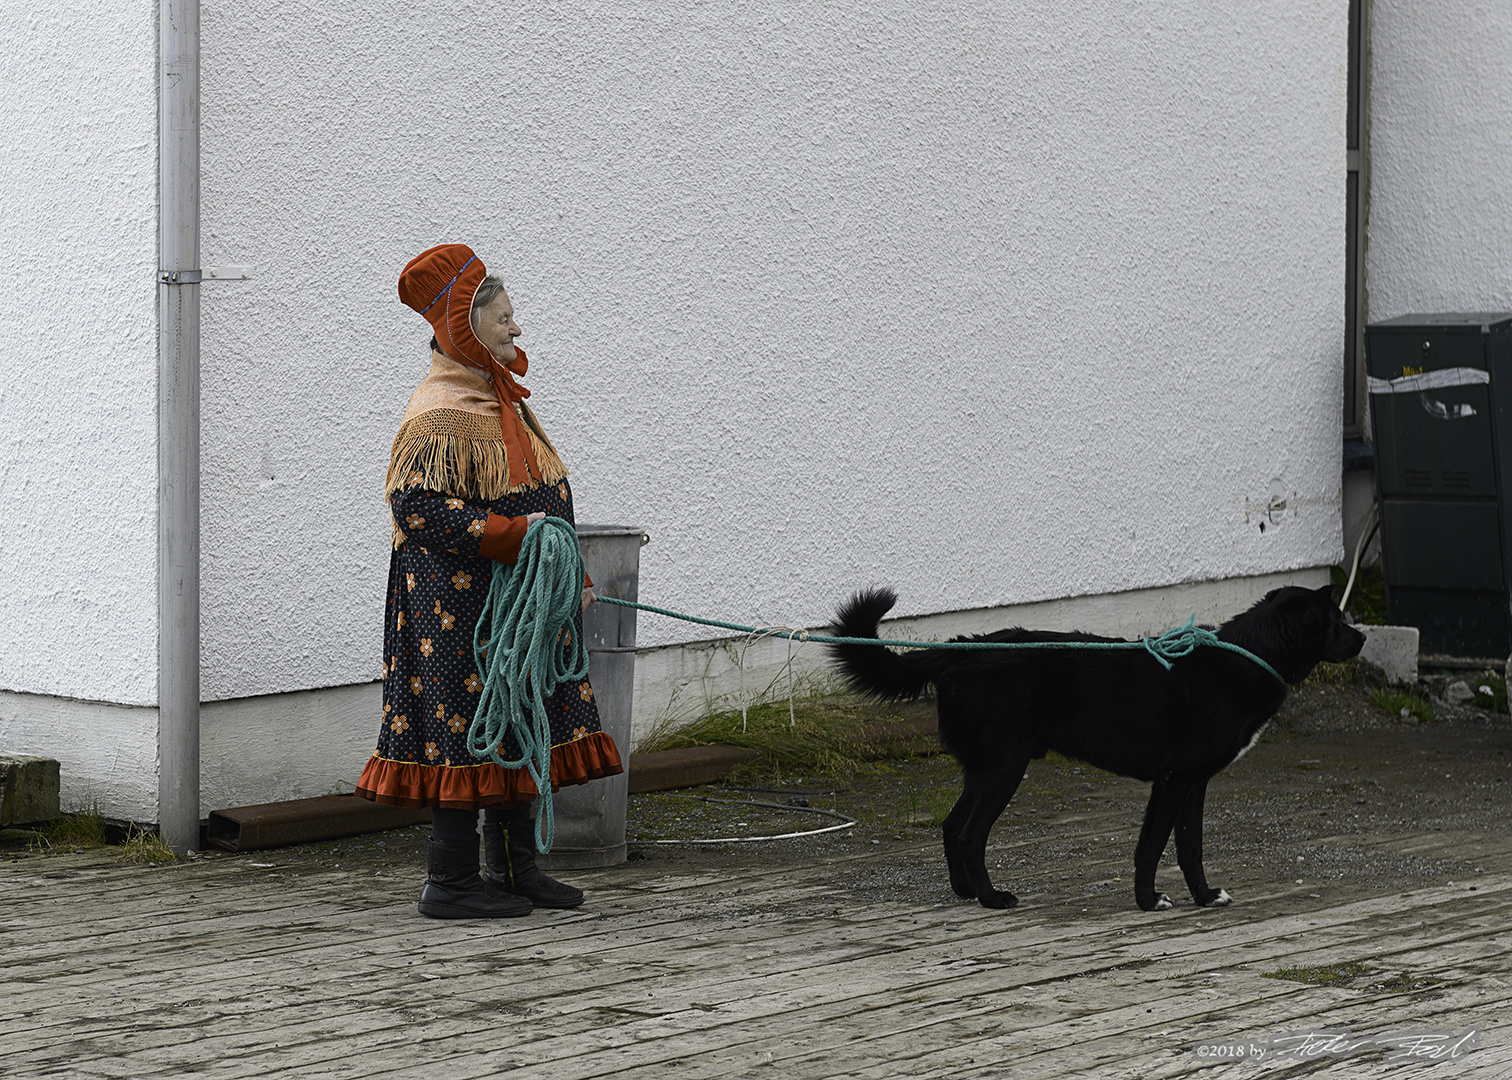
(590, 818)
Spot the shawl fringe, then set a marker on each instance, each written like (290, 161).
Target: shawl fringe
(463, 454)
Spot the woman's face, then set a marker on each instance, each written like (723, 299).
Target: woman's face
(495, 327)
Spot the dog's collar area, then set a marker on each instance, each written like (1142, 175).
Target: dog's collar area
(1183, 640)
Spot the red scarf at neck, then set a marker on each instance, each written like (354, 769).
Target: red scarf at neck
(523, 466)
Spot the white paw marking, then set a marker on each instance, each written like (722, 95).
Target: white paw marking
(1162, 902)
(1223, 899)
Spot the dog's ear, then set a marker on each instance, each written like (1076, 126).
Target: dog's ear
(1326, 590)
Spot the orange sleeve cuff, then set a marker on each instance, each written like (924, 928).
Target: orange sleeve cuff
(502, 537)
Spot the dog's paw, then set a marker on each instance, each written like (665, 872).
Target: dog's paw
(963, 889)
(1159, 902)
(1220, 898)
(995, 898)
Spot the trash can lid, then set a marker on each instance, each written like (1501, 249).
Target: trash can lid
(610, 530)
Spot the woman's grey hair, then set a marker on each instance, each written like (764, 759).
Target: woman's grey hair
(488, 289)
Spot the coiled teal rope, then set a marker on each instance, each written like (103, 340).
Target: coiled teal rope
(1169, 646)
(525, 648)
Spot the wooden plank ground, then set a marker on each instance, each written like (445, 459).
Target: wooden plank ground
(245, 966)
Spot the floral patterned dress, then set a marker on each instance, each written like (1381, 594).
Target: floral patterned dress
(431, 680)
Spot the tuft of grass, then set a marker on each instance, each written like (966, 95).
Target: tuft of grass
(1356, 976)
(1322, 975)
(70, 832)
(829, 735)
(1395, 701)
(927, 807)
(145, 846)
(1490, 692)
(1402, 983)
(1347, 673)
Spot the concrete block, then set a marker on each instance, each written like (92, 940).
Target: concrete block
(28, 790)
(1393, 649)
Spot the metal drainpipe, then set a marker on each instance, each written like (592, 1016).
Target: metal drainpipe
(178, 424)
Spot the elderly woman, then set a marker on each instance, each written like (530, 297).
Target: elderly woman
(471, 468)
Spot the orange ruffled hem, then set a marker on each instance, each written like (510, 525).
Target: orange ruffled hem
(469, 787)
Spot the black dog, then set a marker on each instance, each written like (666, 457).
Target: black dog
(1117, 709)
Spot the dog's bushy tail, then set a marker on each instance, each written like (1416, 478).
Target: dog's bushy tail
(876, 669)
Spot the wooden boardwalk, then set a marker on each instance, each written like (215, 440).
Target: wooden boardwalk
(274, 965)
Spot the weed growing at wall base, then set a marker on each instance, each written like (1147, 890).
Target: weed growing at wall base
(1490, 692)
(145, 846)
(71, 832)
(1367, 601)
(828, 735)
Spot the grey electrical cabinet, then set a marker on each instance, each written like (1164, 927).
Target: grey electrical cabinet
(1441, 408)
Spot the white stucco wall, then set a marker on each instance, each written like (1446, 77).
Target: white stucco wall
(996, 307)
(1440, 232)
(992, 306)
(78, 426)
(106, 753)
(286, 746)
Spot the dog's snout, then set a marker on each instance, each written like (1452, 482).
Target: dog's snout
(1346, 644)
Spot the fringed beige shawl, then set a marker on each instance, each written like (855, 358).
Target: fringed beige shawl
(452, 439)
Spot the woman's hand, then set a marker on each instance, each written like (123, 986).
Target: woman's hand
(531, 519)
(588, 598)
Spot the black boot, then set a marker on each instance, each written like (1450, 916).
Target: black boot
(509, 847)
(453, 888)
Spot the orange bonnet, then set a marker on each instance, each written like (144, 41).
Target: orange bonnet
(440, 284)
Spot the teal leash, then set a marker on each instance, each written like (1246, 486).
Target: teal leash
(1169, 646)
(525, 649)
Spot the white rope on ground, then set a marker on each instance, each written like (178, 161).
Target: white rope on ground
(846, 822)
